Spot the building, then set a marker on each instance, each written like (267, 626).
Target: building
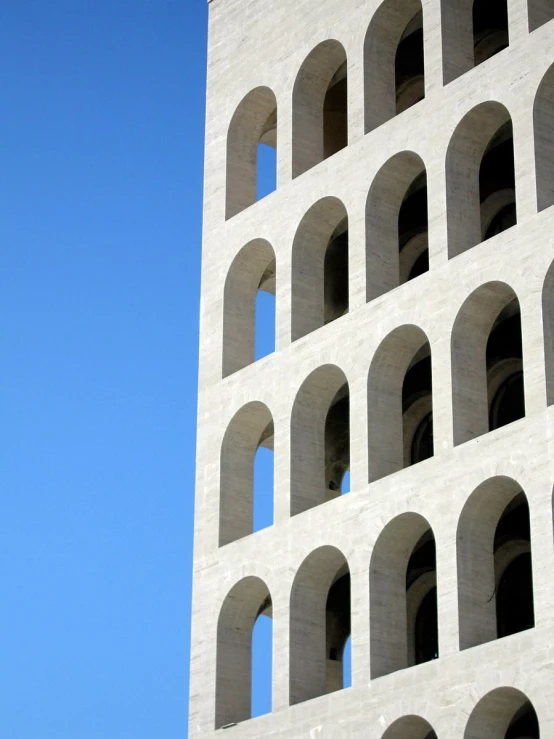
(409, 247)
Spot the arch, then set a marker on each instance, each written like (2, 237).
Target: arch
(319, 107)
(393, 418)
(493, 532)
(393, 61)
(473, 31)
(319, 624)
(496, 714)
(548, 329)
(543, 127)
(253, 270)
(250, 428)
(396, 222)
(253, 122)
(320, 438)
(480, 177)
(410, 727)
(319, 281)
(246, 600)
(540, 12)
(403, 554)
(486, 351)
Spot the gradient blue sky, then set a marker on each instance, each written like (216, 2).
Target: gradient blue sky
(101, 140)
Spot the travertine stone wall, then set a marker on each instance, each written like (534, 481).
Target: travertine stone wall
(477, 681)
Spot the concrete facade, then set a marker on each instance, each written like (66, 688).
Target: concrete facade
(264, 54)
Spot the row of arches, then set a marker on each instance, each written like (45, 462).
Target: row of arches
(394, 66)
(487, 393)
(481, 203)
(495, 600)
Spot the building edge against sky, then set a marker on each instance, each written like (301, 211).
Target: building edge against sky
(407, 246)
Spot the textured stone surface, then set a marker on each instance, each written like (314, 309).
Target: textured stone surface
(263, 43)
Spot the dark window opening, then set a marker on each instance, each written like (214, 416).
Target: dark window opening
(422, 444)
(338, 629)
(490, 29)
(335, 274)
(514, 597)
(413, 229)
(423, 562)
(497, 184)
(525, 724)
(504, 350)
(427, 629)
(409, 65)
(335, 114)
(337, 442)
(417, 389)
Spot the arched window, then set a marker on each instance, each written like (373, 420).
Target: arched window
(246, 479)
(504, 713)
(393, 61)
(249, 307)
(480, 178)
(540, 12)
(487, 362)
(400, 403)
(543, 115)
(396, 224)
(254, 123)
(320, 267)
(495, 582)
(237, 647)
(319, 107)
(410, 727)
(319, 624)
(403, 596)
(320, 439)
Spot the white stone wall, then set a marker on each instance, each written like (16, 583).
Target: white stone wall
(263, 43)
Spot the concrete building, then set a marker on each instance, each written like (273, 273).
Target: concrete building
(409, 245)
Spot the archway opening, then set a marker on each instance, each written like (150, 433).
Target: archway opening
(400, 403)
(239, 653)
(396, 224)
(251, 174)
(319, 107)
(403, 596)
(410, 727)
(393, 61)
(249, 307)
(487, 362)
(319, 625)
(480, 178)
(320, 282)
(320, 439)
(246, 474)
(495, 581)
(504, 713)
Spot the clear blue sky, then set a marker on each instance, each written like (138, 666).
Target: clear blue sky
(101, 142)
